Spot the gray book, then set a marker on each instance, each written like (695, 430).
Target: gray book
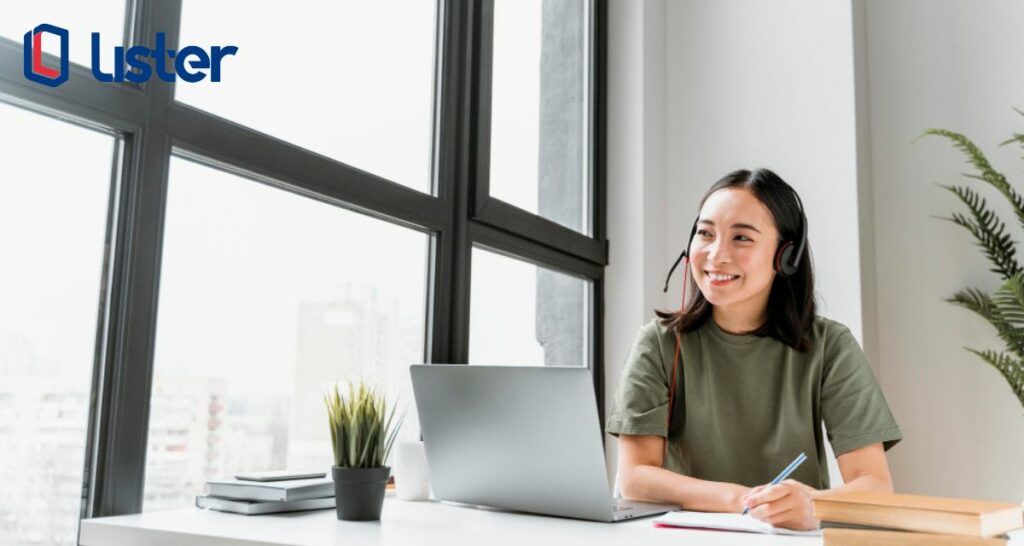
(284, 490)
(252, 508)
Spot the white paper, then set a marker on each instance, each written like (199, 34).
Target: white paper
(727, 522)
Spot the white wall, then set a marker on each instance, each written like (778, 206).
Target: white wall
(754, 84)
(951, 64)
(745, 84)
(636, 180)
(830, 95)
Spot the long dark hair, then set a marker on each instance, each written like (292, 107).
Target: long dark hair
(791, 307)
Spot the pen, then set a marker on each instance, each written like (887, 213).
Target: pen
(785, 473)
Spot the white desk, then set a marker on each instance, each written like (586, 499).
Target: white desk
(402, 524)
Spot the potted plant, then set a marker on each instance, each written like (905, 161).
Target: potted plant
(1004, 308)
(362, 433)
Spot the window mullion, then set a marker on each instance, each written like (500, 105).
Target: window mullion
(119, 465)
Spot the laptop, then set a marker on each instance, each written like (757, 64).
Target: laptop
(518, 438)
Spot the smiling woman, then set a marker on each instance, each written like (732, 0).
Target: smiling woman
(751, 228)
(718, 396)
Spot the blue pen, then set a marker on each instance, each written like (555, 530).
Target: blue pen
(785, 473)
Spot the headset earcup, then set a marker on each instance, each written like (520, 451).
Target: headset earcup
(784, 265)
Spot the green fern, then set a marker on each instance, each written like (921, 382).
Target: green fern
(1004, 309)
(1012, 369)
(1017, 137)
(988, 230)
(985, 171)
(1008, 313)
(975, 300)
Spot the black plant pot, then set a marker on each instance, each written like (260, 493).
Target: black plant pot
(359, 492)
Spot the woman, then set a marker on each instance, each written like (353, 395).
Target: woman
(755, 373)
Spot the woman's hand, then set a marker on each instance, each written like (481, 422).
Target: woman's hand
(735, 496)
(787, 504)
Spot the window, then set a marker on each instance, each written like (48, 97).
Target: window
(350, 79)
(53, 207)
(253, 327)
(523, 314)
(353, 197)
(540, 109)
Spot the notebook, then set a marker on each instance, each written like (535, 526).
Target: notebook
(252, 508)
(726, 522)
(287, 490)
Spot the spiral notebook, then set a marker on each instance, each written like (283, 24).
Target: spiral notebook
(717, 521)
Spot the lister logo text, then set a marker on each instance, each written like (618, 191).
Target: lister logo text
(135, 64)
(187, 63)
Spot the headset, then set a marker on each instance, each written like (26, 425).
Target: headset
(786, 263)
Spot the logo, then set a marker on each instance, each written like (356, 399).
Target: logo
(136, 64)
(35, 70)
(187, 64)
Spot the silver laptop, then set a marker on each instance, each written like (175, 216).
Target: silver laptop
(518, 438)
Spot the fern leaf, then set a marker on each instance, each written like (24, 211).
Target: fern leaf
(1008, 313)
(1010, 368)
(988, 230)
(1017, 137)
(975, 300)
(985, 170)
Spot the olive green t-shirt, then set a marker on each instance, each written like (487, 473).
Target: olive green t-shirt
(746, 406)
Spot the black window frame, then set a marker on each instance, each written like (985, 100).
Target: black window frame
(151, 127)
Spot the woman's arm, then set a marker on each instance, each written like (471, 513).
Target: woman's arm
(642, 478)
(864, 469)
(789, 504)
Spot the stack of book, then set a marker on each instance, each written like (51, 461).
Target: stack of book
(252, 498)
(861, 519)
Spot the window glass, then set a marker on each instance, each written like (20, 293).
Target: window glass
(53, 206)
(522, 314)
(349, 79)
(266, 298)
(540, 145)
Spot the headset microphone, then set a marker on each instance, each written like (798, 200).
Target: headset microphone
(674, 266)
(684, 254)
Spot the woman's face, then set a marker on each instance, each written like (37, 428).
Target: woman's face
(731, 254)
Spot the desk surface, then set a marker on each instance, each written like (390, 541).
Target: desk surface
(402, 523)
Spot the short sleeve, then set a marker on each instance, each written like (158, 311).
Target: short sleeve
(641, 402)
(852, 405)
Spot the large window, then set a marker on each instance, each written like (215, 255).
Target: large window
(188, 265)
(53, 209)
(252, 327)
